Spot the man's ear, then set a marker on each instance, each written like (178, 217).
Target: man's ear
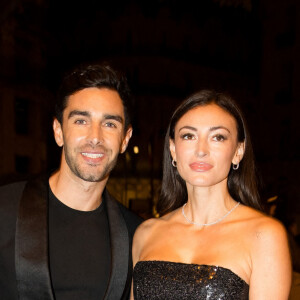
(172, 149)
(239, 153)
(58, 134)
(126, 140)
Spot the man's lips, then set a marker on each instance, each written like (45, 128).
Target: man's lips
(92, 155)
(200, 166)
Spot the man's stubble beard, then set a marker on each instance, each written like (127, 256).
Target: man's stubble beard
(77, 170)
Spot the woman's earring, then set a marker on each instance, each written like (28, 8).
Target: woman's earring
(174, 163)
(235, 167)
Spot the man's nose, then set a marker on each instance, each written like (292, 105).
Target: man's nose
(96, 135)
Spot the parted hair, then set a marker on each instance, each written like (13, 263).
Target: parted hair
(93, 75)
(242, 183)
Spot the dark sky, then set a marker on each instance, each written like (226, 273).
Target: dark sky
(170, 49)
(226, 38)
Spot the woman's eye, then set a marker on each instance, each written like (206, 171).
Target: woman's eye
(187, 136)
(219, 138)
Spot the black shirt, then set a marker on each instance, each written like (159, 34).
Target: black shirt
(79, 251)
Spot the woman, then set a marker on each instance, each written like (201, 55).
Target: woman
(212, 242)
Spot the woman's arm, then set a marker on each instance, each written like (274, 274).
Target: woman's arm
(271, 262)
(131, 292)
(141, 234)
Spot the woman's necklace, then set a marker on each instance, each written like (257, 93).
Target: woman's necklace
(208, 224)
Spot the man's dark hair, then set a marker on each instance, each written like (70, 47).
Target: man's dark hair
(242, 183)
(89, 76)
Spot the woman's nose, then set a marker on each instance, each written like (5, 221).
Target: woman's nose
(202, 148)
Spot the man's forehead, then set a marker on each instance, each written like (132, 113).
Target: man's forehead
(93, 100)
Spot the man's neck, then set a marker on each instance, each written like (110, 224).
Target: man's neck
(75, 192)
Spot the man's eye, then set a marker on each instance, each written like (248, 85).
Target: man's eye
(80, 122)
(110, 124)
(187, 136)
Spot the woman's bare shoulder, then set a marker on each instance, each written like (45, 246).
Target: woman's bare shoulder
(270, 231)
(260, 223)
(146, 226)
(144, 234)
(263, 231)
(153, 224)
(269, 256)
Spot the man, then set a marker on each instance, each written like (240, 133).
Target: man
(64, 237)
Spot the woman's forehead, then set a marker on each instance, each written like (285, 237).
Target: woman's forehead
(207, 116)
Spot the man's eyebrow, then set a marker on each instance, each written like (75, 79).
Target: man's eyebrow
(88, 114)
(78, 113)
(114, 117)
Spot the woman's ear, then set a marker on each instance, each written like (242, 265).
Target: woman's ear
(172, 149)
(58, 135)
(239, 153)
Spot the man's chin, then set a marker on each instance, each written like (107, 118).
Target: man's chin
(94, 173)
(91, 176)
(94, 178)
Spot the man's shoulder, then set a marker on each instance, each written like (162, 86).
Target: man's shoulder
(132, 220)
(13, 187)
(11, 192)
(128, 214)
(10, 195)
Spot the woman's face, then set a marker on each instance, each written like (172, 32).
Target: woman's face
(205, 145)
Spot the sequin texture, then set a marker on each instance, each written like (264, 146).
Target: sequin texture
(163, 280)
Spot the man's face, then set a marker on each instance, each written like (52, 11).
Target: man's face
(92, 134)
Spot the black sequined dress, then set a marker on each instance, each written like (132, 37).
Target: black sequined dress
(166, 280)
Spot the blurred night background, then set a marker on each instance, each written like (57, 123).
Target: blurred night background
(168, 50)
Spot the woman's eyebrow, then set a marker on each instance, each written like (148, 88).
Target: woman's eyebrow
(188, 127)
(210, 129)
(218, 127)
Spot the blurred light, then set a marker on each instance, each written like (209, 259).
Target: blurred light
(272, 199)
(149, 149)
(136, 149)
(127, 155)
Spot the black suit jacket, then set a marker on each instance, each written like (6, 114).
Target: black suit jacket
(24, 259)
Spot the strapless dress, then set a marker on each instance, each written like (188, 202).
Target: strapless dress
(166, 280)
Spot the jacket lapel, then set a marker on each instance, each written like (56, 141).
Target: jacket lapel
(31, 250)
(119, 241)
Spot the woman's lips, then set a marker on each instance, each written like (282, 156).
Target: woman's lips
(200, 166)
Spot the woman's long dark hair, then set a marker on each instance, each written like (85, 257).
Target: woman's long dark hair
(242, 183)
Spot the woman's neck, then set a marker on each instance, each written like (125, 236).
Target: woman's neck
(208, 204)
